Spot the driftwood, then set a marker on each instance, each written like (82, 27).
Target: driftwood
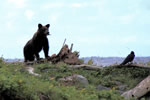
(140, 90)
(87, 67)
(66, 55)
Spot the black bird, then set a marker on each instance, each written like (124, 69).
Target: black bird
(129, 58)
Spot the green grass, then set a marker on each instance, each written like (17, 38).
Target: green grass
(17, 84)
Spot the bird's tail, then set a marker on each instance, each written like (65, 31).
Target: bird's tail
(123, 63)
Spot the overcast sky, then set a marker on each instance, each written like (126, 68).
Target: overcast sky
(95, 27)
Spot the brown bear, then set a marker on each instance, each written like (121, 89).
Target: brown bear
(38, 42)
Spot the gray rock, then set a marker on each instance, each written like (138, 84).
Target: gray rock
(101, 87)
(77, 78)
(81, 79)
(31, 71)
(121, 86)
(120, 92)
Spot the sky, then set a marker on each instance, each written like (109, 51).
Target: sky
(104, 28)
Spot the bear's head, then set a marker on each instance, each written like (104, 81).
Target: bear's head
(44, 30)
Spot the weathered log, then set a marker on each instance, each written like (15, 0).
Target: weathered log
(141, 66)
(132, 65)
(140, 90)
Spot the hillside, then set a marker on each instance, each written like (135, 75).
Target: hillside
(62, 82)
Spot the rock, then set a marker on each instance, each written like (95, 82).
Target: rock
(120, 86)
(43, 97)
(81, 79)
(101, 87)
(77, 79)
(31, 71)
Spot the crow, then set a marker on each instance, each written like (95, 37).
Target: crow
(129, 58)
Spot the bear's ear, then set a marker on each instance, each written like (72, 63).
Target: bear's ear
(39, 25)
(48, 25)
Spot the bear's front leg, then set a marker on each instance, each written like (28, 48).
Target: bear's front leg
(37, 56)
(46, 48)
(46, 52)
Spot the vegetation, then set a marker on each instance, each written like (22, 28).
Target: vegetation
(90, 62)
(17, 84)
